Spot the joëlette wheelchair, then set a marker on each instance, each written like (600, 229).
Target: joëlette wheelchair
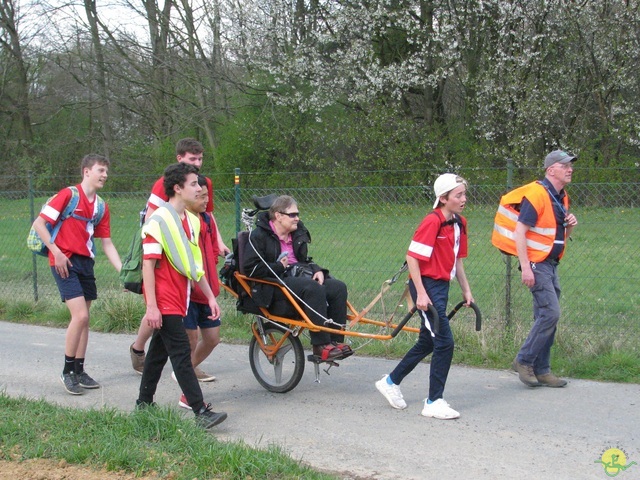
(276, 353)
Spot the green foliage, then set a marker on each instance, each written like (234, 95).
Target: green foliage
(154, 441)
(352, 147)
(22, 310)
(41, 313)
(118, 313)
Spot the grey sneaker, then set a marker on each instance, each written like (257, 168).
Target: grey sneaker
(86, 381)
(550, 380)
(70, 383)
(525, 373)
(207, 418)
(137, 361)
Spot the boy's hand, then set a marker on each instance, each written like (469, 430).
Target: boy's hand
(423, 301)
(153, 317)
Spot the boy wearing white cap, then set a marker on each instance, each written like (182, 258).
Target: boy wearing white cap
(434, 258)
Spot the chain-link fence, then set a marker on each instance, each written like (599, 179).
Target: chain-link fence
(361, 235)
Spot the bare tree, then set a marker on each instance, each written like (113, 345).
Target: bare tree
(14, 82)
(101, 74)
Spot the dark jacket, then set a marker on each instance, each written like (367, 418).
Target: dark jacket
(263, 242)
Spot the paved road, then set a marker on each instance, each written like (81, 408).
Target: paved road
(344, 425)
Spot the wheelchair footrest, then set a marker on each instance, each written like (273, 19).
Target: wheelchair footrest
(318, 360)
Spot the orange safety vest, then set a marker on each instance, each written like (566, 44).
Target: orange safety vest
(541, 237)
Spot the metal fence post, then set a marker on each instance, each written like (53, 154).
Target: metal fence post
(236, 188)
(34, 261)
(507, 290)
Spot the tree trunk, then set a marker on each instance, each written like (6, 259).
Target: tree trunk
(101, 81)
(17, 95)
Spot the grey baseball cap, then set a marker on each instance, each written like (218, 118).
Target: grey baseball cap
(558, 156)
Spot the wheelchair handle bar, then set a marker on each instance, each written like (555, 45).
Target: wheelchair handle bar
(403, 322)
(475, 309)
(436, 318)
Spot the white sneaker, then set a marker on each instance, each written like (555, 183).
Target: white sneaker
(439, 409)
(392, 393)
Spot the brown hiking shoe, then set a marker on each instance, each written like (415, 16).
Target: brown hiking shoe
(525, 373)
(137, 361)
(203, 376)
(550, 380)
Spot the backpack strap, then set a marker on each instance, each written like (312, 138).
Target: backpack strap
(67, 212)
(98, 212)
(71, 205)
(455, 219)
(101, 207)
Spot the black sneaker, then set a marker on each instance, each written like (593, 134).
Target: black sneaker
(207, 418)
(86, 381)
(70, 383)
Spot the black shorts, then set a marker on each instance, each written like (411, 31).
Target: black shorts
(81, 281)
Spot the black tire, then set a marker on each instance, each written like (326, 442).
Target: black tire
(284, 371)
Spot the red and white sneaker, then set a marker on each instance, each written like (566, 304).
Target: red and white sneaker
(183, 402)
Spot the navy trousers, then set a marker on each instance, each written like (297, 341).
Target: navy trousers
(440, 344)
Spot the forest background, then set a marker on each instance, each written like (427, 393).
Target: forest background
(372, 93)
(416, 86)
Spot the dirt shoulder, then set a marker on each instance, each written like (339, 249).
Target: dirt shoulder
(41, 469)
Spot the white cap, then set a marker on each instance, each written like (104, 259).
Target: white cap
(444, 184)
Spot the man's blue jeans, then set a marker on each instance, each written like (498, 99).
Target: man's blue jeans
(536, 350)
(441, 343)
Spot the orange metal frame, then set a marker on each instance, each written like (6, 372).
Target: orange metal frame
(353, 317)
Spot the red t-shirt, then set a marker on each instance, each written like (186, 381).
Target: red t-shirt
(75, 236)
(158, 198)
(172, 288)
(208, 243)
(437, 247)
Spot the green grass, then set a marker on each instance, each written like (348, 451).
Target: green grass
(155, 441)
(364, 244)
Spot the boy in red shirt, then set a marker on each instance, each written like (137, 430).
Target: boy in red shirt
(71, 257)
(434, 258)
(190, 151)
(171, 259)
(199, 314)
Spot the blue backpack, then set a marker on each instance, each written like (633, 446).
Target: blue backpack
(35, 244)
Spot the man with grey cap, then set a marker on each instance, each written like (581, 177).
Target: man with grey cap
(533, 223)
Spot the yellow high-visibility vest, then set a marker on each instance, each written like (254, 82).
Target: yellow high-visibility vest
(182, 251)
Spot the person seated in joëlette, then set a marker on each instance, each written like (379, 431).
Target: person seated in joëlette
(278, 247)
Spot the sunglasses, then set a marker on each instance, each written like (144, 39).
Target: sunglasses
(291, 214)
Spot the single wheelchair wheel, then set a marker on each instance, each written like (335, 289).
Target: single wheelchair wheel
(277, 359)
